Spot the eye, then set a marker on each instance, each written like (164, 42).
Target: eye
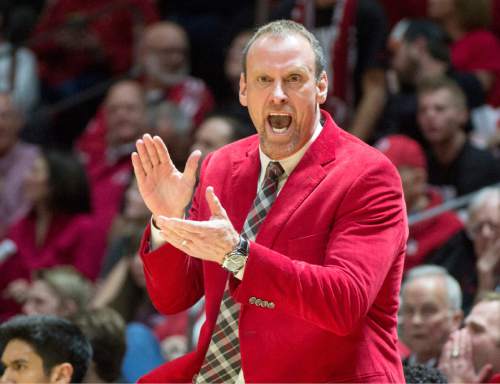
(263, 79)
(295, 78)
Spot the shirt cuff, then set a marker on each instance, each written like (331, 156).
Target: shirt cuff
(157, 239)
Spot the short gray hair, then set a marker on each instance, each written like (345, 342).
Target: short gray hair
(485, 194)
(284, 28)
(453, 290)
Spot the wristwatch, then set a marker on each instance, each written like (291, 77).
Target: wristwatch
(235, 260)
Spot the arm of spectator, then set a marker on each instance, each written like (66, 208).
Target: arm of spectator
(110, 287)
(371, 104)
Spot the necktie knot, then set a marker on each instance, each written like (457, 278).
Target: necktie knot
(274, 171)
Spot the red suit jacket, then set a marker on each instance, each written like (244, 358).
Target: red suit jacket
(329, 257)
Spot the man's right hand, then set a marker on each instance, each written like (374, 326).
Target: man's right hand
(165, 190)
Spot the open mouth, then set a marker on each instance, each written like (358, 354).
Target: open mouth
(279, 122)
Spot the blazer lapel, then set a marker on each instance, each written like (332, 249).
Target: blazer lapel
(300, 184)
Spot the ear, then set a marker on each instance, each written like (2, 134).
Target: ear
(61, 373)
(322, 88)
(243, 90)
(456, 319)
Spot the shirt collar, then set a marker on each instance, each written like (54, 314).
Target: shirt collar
(289, 163)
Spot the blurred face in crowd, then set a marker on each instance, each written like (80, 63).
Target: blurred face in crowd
(125, 113)
(165, 49)
(483, 325)
(440, 9)
(233, 64)
(483, 225)
(135, 208)
(36, 182)
(22, 364)
(414, 181)
(281, 92)
(43, 300)
(212, 134)
(440, 116)
(427, 318)
(405, 62)
(10, 124)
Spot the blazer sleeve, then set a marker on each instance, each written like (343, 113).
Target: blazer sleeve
(367, 238)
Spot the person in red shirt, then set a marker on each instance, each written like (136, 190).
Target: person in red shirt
(79, 42)
(107, 143)
(59, 230)
(425, 236)
(474, 48)
(163, 66)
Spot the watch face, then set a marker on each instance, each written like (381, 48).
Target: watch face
(234, 262)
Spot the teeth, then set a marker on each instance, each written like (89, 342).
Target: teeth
(279, 121)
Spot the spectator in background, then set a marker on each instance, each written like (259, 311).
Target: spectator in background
(232, 70)
(429, 235)
(215, 132)
(163, 64)
(472, 256)
(346, 30)
(18, 67)
(421, 52)
(16, 158)
(59, 229)
(77, 42)
(174, 126)
(107, 144)
(43, 349)
(472, 354)
(474, 48)
(105, 330)
(60, 291)
(455, 165)
(430, 309)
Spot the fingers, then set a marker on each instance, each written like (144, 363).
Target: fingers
(192, 165)
(151, 149)
(152, 152)
(181, 226)
(162, 151)
(214, 203)
(139, 171)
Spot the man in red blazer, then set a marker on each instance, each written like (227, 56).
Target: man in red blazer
(318, 288)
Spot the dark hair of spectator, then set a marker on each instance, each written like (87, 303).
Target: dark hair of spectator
(474, 14)
(434, 84)
(419, 373)
(54, 339)
(435, 37)
(105, 329)
(69, 186)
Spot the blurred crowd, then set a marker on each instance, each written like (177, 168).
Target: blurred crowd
(82, 80)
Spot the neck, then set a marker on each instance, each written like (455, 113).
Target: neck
(429, 68)
(418, 204)
(453, 28)
(448, 150)
(43, 216)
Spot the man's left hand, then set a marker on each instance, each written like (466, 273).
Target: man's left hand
(207, 240)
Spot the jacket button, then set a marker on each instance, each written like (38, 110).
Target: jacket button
(252, 300)
(270, 305)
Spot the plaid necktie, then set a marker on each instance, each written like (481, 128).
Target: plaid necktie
(223, 362)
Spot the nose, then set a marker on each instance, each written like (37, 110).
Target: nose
(278, 94)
